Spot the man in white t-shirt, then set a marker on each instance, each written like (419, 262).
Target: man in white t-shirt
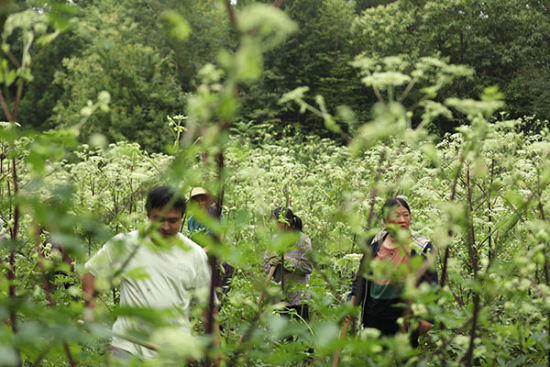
(155, 274)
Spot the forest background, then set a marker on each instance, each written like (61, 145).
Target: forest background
(127, 49)
(328, 106)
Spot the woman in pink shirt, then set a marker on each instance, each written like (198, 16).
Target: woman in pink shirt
(389, 263)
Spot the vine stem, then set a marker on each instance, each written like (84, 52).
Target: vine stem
(468, 357)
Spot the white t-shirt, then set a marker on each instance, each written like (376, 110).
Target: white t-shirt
(153, 278)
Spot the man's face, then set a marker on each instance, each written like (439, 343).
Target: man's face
(202, 200)
(170, 222)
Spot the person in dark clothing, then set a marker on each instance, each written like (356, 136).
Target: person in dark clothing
(391, 250)
(294, 267)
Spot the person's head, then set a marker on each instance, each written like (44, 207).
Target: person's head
(396, 211)
(169, 218)
(201, 197)
(286, 220)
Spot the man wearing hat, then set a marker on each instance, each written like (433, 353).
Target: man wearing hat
(206, 201)
(202, 198)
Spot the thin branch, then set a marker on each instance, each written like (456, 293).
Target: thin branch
(13, 59)
(468, 357)
(374, 191)
(515, 219)
(379, 96)
(12, 268)
(546, 261)
(446, 343)
(48, 291)
(447, 249)
(242, 347)
(232, 16)
(471, 229)
(407, 91)
(5, 107)
(17, 100)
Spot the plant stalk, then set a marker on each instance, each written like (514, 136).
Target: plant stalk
(468, 357)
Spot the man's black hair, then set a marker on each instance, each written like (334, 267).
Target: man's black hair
(160, 196)
(392, 203)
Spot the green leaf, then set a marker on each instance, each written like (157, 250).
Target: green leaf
(179, 26)
(266, 22)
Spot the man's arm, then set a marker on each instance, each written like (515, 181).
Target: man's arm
(88, 288)
(424, 326)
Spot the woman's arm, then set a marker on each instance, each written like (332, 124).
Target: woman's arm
(270, 259)
(300, 261)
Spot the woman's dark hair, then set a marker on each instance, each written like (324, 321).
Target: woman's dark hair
(160, 196)
(297, 223)
(294, 221)
(392, 203)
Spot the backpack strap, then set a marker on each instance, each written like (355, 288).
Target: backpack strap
(420, 245)
(377, 241)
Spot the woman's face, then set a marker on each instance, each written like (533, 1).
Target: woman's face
(283, 226)
(400, 216)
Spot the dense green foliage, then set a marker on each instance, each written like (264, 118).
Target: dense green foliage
(330, 190)
(481, 194)
(119, 46)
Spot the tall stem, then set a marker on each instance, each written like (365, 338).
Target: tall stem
(212, 257)
(546, 262)
(374, 191)
(447, 249)
(14, 233)
(48, 291)
(4, 105)
(490, 209)
(11, 269)
(17, 100)
(468, 357)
